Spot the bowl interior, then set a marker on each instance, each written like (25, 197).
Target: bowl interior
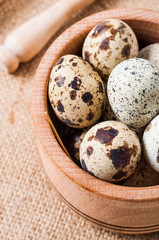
(146, 27)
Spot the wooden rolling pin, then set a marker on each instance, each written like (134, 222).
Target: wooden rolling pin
(27, 40)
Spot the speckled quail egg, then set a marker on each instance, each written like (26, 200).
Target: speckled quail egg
(151, 53)
(151, 143)
(143, 176)
(72, 141)
(108, 44)
(110, 151)
(133, 91)
(76, 92)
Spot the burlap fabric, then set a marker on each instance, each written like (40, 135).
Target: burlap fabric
(29, 208)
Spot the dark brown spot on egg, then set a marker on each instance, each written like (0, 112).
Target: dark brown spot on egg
(52, 103)
(90, 150)
(90, 138)
(126, 51)
(104, 45)
(100, 28)
(71, 60)
(136, 101)
(113, 32)
(106, 135)
(85, 168)
(76, 83)
(120, 157)
(59, 61)
(148, 127)
(119, 175)
(59, 81)
(109, 53)
(80, 120)
(90, 115)
(125, 40)
(87, 56)
(100, 87)
(134, 150)
(87, 98)
(73, 95)
(121, 28)
(60, 107)
(157, 159)
(74, 64)
(69, 122)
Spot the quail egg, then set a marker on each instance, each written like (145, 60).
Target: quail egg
(108, 44)
(110, 151)
(76, 92)
(151, 143)
(151, 53)
(133, 91)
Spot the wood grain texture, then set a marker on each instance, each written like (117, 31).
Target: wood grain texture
(128, 209)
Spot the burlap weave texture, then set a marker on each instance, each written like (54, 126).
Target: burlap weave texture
(29, 208)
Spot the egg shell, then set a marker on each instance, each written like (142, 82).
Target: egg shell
(110, 151)
(133, 91)
(108, 44)
(151, 143)
(76, 92)
(151, 53)
(143, 176)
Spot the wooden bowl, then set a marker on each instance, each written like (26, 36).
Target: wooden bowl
(117, 208)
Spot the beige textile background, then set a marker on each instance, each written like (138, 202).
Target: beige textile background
(29, 208)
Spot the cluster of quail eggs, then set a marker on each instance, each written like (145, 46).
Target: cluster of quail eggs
(109, 101)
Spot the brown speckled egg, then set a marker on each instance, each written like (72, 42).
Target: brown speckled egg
(133, 91)
(108, 44)
(151, 53)
(72, 141)
(110, 151)
(143, 176)
(76, 92)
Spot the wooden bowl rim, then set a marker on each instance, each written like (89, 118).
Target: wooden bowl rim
(43, 130)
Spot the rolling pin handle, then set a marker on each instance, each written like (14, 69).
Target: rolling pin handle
(8, 61)
(27, 40)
